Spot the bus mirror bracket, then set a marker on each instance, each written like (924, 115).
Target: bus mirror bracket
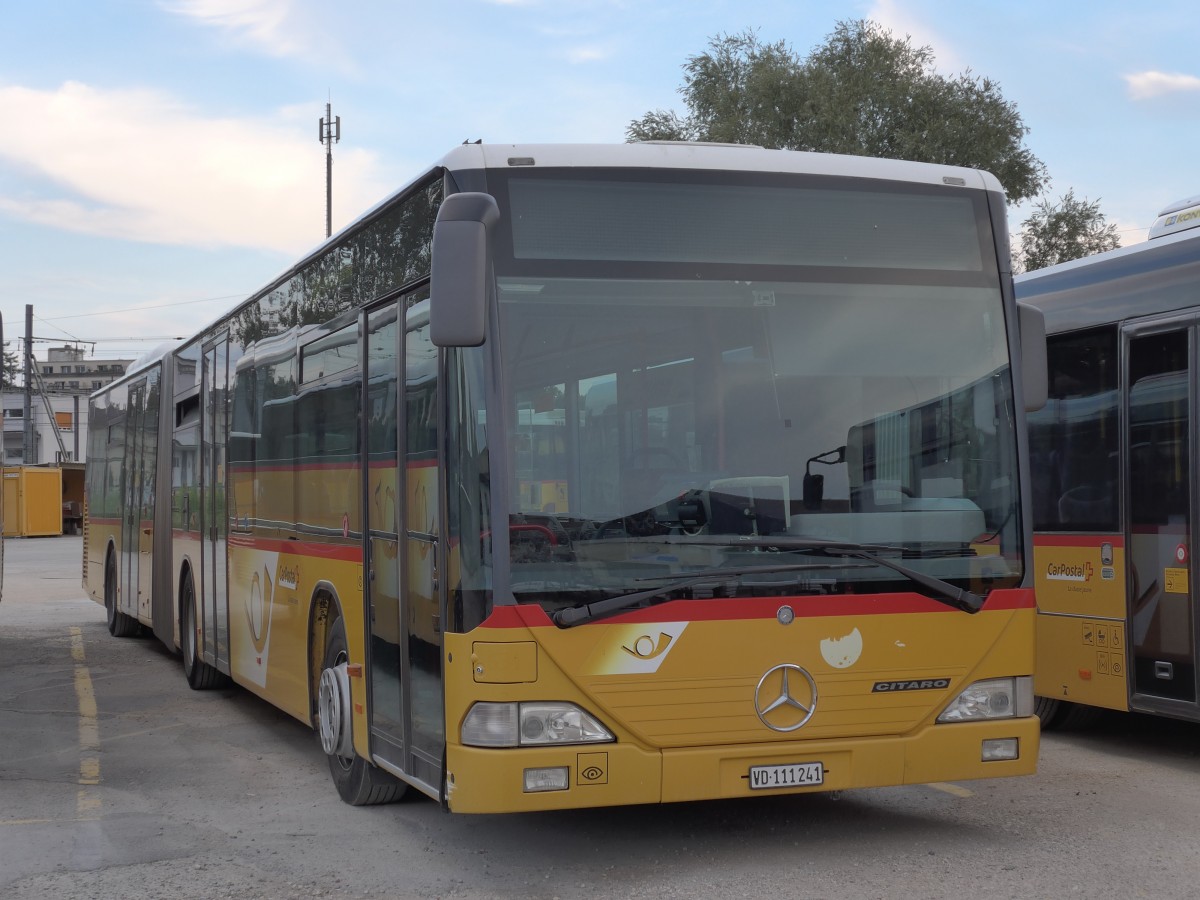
(1035, 378)
(460, 270)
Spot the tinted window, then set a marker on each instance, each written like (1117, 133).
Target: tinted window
(1073, 440)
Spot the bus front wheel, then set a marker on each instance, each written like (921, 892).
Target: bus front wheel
(358, 782)
(1064, 715)
(1048, 710)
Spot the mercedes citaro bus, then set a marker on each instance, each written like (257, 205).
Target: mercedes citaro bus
(573, 476)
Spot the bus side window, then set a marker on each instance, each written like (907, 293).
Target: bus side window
(1073, 439)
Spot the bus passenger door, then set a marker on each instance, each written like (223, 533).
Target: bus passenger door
(214, 428)
(382, 519)
(404, 586)
(422, 576)
(1160, 448)
(148, 464)
(128, 601)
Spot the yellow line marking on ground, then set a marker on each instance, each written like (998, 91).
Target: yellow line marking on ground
(108, 740)
(952, 789)
(87, 803)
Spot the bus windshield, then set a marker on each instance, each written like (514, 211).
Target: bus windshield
(695, 367)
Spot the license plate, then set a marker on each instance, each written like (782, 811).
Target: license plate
(807, 774)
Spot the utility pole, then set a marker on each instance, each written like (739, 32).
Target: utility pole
(331, 133)
(29, 453)
(3, 458)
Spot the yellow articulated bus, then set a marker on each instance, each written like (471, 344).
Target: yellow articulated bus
(1113, 463)
(574, 476)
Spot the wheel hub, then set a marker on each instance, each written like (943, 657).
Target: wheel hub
(333, 712)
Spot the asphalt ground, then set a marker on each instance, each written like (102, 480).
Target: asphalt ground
(118, 781)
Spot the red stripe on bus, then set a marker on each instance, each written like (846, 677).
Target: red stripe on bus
(343, 552)
(528, 615)
(343, 464)
(1078, 540)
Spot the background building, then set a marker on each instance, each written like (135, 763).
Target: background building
(66, 421)
(68, 370)
(58, 407)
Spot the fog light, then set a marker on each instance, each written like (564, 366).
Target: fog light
(1001, 748)
(556, 779)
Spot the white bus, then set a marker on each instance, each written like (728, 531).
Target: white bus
(1114, 463)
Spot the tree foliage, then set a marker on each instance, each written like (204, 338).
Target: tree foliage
(1062, 231)
(862, 92)
(11, 368)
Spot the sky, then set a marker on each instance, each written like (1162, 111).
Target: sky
(160, 159)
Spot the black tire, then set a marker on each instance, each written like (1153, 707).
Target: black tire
(358, 782)
(200, 675)
(1050, 711)
(119, 624)
(1064, 715)
(1078, 717)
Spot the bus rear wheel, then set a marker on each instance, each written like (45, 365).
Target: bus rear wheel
(358, 782)
(200, 675)
(119, 624)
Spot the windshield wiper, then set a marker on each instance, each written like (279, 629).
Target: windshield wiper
(587, 612)
(941, 591)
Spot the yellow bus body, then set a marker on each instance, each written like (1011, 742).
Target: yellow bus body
(1081, 627)
(689, 730)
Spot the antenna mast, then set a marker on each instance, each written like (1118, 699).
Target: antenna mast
(331, 133)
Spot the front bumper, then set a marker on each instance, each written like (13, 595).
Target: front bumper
(491, 781)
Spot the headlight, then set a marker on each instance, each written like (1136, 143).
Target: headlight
(995, 698)
(530, 725)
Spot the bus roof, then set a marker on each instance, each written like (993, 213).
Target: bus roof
(728, 157)
(686, 155)
(1153, 277)
(139, 366)
(653, 154)
(1178, 216)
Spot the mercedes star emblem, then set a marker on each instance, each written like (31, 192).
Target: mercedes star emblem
(786, 697)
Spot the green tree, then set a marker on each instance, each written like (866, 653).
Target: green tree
(1062, 231)
(12, 368)
(862, 92)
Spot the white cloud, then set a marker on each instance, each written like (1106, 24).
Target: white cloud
(275, 26)
(138, 165)
(587, 54)
(901, 23)
(1147, 85)
(1131, 231)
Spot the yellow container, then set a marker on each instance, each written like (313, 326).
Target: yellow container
(32, 501)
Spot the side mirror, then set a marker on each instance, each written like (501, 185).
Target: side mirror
(459, 271)
(1035, 378)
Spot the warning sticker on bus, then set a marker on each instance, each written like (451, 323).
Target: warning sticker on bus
(1175, 581)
